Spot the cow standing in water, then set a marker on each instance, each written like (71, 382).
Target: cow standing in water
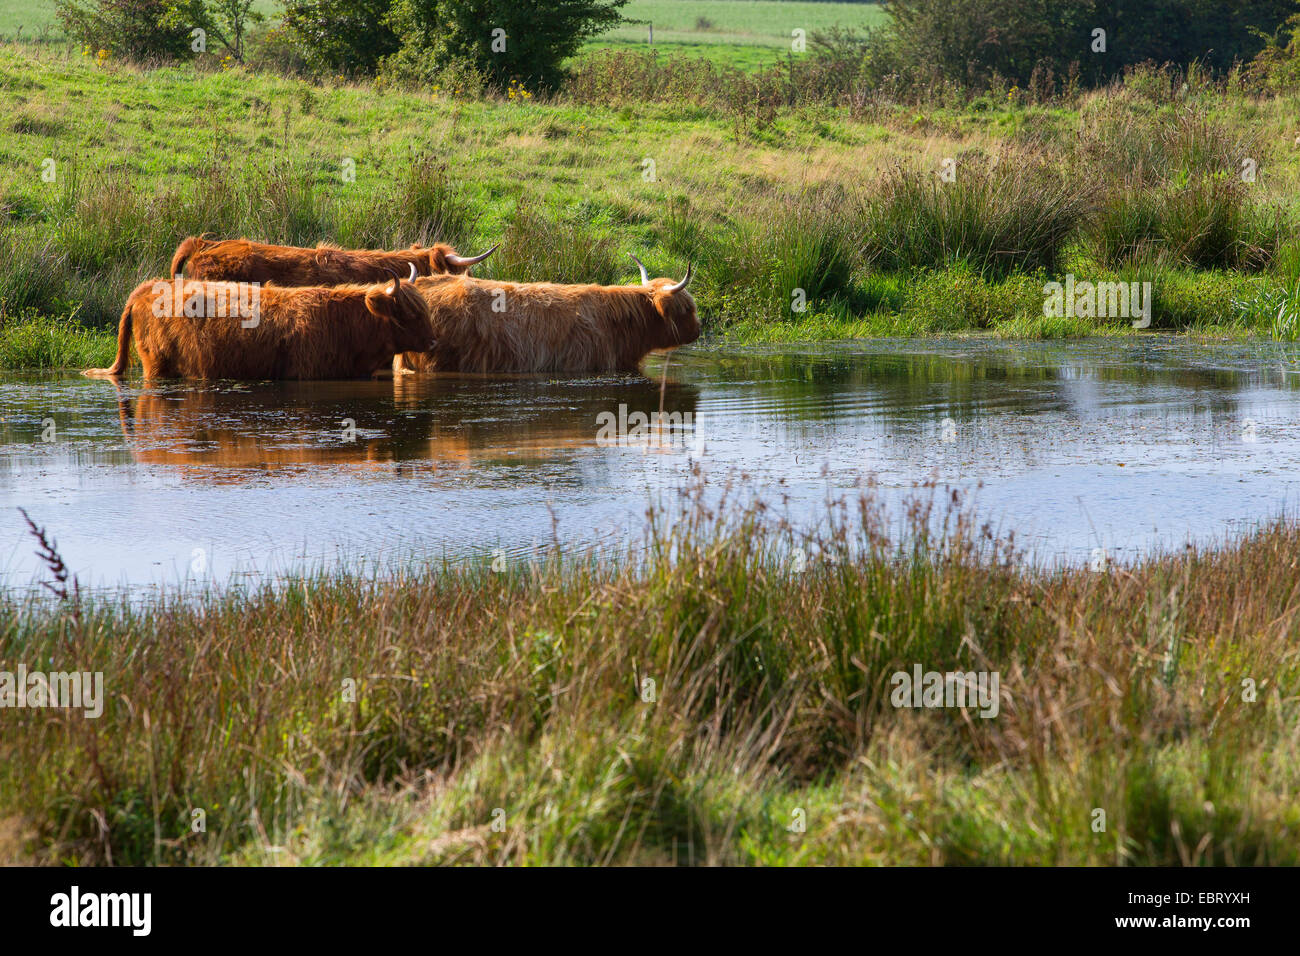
(240, 260)
(209, 330)
(486, 326)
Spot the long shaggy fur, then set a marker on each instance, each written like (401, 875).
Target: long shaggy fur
(547, 327)
(241, 260)
(346, 331)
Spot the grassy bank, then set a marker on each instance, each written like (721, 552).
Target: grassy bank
(800, 220)
(710, 703)
(947, 302)
(41, 342)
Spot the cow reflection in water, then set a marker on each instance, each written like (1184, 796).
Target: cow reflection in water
(416, 425)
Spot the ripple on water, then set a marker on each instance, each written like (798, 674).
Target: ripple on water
(1125, 445)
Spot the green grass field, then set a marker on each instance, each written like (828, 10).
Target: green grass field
(761, 22)
(741, 33)
(33, 16)
(104, 167)
(798, 201)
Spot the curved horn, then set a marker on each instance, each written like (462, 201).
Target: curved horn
(645, 278)
(396, 286)
(456, 260)
(690, 268)
(412, 265)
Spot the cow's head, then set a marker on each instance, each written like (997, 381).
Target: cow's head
(442, 260)
(406, 314)
(674, 305)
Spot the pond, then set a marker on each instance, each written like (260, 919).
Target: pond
(1129, 445)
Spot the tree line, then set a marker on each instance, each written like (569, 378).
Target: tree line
(501, 43)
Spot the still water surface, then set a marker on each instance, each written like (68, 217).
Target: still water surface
(1128, 446)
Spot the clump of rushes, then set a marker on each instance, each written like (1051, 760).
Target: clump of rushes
(1120, 145)
(785, 260)
(1015, 215)
(542, 244)
(31, 274)
(683, 704)
(1209, 223)
(1179, 190)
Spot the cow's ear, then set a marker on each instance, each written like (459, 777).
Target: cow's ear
(382, 300)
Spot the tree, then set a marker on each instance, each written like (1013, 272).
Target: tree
(228, 21)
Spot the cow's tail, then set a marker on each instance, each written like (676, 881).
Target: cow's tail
(123, 360)
(187, 248)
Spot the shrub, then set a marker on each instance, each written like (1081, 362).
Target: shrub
(980, 41)
(341, 36)
(136, 29)
(976, 40)
(228, 22)
(538, 37)
(1277, 65)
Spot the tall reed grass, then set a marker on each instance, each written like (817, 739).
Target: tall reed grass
(1209, 223)
(787, 257)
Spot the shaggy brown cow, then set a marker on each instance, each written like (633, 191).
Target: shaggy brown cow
(239, 260)
(189, 329)
(486, 326)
